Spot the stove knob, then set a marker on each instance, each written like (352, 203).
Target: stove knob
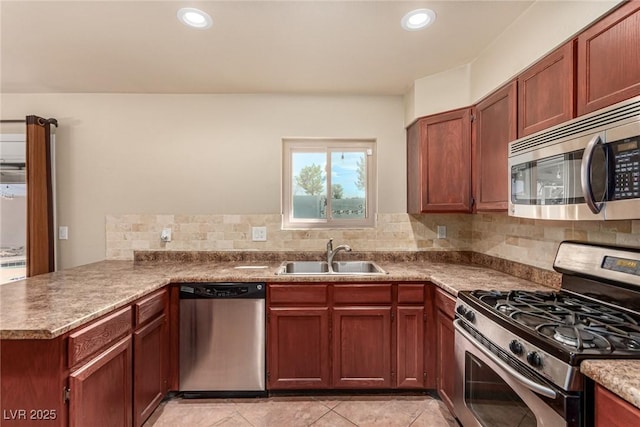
(470, 316)
(534, 359)
(461, 310)
(516, 347)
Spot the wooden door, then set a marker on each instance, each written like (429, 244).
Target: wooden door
(361, 341)
(101, 389)
(150, 368)
(609, 59)
(298, 348)
(445, 160)
(495, 126)
(445, 341)
(546, 92)
(414, 169)
(410, 347)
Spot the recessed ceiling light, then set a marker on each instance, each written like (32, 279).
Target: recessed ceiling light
(418, 19)
(194, 18)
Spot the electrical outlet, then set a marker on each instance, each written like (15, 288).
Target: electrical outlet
(165, 235)
(442, 232)
(259, 234)
(63, 232)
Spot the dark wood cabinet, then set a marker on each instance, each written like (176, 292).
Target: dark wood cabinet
(609, 59)
(445, 365)
(361, 341)
(298, 342)
(411, 336)
(613, 411)
(546, 91)
(149, 368)
(495, 125)
(100, 390)
(439, 163)
(150, 355)
(347, 336)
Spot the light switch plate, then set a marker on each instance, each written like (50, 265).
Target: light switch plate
(259, 234)
(165, 235)
(442, 232)
(63, 232)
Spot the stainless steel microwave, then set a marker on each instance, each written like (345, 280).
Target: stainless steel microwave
(584, 169)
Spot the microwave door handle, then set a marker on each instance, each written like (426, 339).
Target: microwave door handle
(585, 175)
(531, 385)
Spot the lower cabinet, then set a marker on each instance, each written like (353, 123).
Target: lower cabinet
(361, 341)
(298, 348)
(149, 368)
(613, 411)
(445, 343)
(100, 390)
(346, 336)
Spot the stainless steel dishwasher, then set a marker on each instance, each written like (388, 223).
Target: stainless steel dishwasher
(222, 339)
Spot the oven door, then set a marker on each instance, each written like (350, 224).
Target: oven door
(491, 393)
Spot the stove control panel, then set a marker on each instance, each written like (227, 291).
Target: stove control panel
(466, 313)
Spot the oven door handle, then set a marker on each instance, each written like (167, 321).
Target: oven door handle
(531, 385)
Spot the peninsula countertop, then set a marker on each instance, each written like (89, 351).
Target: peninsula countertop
(49, 305)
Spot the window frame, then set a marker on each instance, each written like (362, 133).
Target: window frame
(328, 145)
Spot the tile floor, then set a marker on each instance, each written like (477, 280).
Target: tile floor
(317, 411)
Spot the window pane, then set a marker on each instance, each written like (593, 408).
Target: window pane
(348, 185)
(309, 185)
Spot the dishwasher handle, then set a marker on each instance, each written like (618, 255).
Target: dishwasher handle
(223, 290)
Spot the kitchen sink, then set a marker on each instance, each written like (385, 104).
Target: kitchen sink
(322, 268)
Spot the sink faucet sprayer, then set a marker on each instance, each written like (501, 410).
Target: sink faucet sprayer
(332, 252)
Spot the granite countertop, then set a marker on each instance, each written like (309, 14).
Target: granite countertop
(621, 377)
(50, 305)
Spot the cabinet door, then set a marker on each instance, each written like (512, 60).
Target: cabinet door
(150, 368)
(613, 411)
(495, 127)
(410, 347)
(445, 158)
(298, 348)
(101, 389)
(445, 379)
(609, 59)
(361, 340)
(546, 92)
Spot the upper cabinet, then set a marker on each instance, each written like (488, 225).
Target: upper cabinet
(439, 163)
(495, 125)
(609, 59)
(546, 92)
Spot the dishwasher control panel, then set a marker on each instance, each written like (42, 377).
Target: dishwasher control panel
(223, 290)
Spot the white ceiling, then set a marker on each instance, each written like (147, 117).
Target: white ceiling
(328, 47)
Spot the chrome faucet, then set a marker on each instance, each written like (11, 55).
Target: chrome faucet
(332, 252)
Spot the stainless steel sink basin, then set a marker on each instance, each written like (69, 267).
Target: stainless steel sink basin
(322, 268)
(357, 267)
(304, 267)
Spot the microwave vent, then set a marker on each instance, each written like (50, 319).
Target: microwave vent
(595, 122)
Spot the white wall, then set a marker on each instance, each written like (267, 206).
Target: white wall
(194, 154)
(439, 92)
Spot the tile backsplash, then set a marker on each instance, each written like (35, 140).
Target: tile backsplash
(531, 242)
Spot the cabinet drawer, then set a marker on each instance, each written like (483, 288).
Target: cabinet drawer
(298, 294)
(410, 294)
(88, 341)
(149, 307)
(445, 303)
(362, 294)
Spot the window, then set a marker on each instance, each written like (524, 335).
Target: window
(328, 183)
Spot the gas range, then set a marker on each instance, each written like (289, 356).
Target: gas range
(551, 332)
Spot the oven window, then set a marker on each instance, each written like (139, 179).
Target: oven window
(491, 400)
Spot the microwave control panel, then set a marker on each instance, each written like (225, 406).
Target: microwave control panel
(627, 168)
